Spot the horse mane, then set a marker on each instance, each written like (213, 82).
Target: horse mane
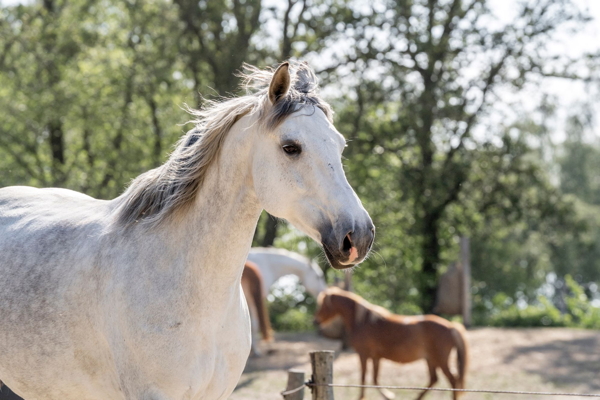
(158, 193)
(364, 312)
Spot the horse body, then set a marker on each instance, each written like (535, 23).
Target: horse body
(420, 338)
(31, 296)
(377, 334)
(140, 297)
(131, 317)
(276, 263)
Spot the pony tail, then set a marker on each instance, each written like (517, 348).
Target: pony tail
(462, 350)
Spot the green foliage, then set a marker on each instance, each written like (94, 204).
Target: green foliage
(92, 94)
(582, 313)
(292, 311)
(579, 312)
(543, 314)
(292, 320)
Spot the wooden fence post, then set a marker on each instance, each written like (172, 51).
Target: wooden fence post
(465, 260)
(295, 380)
(322, 371)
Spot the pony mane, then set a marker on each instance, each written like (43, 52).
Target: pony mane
(158, 193)
(364, 312)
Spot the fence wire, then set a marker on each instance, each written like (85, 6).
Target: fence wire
(414, 388)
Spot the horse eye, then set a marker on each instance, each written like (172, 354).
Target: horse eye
(291, 149)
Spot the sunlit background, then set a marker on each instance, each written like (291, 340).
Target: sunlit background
(465, 118)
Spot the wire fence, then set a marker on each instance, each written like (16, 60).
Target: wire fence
(310, 384)
(321, 383)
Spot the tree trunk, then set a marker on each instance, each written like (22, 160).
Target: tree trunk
(270, 231)
(57, 149)
(430, 252)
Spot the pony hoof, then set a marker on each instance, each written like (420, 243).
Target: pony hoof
(387, 395)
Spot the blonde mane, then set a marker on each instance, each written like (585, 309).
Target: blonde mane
(158, 193)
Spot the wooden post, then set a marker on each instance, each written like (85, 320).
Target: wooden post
(295, 380)
(322, 371)
(465, 260)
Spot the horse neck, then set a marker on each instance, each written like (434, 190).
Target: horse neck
(222, 223)
(209, 241)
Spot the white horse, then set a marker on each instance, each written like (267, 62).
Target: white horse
(276, 263)
(139, 297)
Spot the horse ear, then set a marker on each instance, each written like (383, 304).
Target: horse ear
(280, 83)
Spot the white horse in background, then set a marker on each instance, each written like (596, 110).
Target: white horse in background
(276, 263)
(139, 297)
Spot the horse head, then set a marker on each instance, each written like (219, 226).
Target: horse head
(298, 173)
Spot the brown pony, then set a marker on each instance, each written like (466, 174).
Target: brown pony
(252, 286)
(376, 333)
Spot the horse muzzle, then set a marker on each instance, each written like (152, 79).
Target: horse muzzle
(349, 245)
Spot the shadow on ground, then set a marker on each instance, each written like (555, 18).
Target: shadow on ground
(562, 362)
(290, 350)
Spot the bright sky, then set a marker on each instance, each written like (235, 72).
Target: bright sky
(568, 93)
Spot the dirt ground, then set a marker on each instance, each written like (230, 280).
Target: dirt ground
(548, 360)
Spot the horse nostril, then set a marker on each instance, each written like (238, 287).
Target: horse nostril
(347, 244)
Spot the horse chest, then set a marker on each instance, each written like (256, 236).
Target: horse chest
(219, 363)
(201, 357)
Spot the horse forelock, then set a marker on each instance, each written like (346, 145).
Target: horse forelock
(156, 194)
(304, 91)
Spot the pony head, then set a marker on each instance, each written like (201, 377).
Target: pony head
(297, 169)
(325, 307)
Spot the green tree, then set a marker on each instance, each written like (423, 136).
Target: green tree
(90, 90)
(215, 40)
(438, 70)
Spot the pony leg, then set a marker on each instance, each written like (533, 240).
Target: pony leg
(432, 378)
(363, 372)
(387, 395)
(452, 380)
